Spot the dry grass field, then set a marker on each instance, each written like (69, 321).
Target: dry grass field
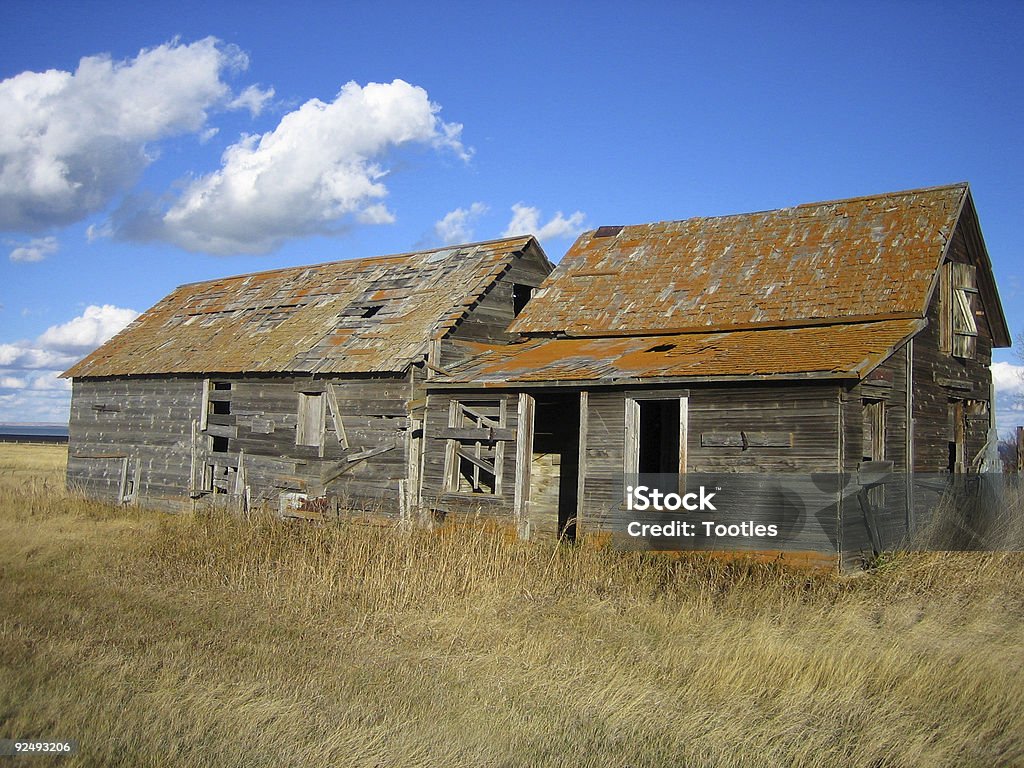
(158, 640)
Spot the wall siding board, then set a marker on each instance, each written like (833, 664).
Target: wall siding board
(153, 425)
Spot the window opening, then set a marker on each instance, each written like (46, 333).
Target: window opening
(521, 295)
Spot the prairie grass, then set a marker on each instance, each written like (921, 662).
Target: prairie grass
(208, 639)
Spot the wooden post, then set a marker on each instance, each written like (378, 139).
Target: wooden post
(524, 456)
(1020, 450)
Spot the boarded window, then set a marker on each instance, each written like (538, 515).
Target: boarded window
(874, 431)
(961, 302)
(474, 457)
(310, 427)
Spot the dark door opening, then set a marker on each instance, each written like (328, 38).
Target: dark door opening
(554, 469)
(659, 437)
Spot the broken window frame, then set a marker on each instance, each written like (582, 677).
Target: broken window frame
(874, 427)
(478, 457)
(960, 302)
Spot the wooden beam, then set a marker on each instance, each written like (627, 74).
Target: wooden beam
(476, 460)
(909, 427)
(438, 369)
(136, 481)
(219, 430)
(334, 471)
(490, 435)
(581, 469)
(339, 425)
(631, 460)
(204, 407)
(499, 449)
(746, 440)
(124, 481)
(475, 414)
(960, 384)
(684, 428)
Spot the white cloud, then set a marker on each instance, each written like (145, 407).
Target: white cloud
(1008, 378)
(1009, 384)
(36, 249)
(30, 385)
(252, 98)
(88, 330)
(24, 356)
(70, 142)
(526, 221)
(323, 163)
(455, 226)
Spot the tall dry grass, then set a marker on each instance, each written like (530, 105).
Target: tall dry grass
(216, 640)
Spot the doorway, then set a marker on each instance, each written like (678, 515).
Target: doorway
(554, 465)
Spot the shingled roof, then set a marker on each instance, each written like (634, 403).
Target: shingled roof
(843, 351)
(844, 260)
(357, 316)
(824, 290)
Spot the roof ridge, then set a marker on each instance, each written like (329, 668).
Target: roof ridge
(877, 196)
(357, 260)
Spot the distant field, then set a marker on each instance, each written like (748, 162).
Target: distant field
(159, 640)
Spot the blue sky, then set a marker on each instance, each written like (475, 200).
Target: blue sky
(549, 117)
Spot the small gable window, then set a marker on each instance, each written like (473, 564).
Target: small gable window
(960, 310)
(521, 295)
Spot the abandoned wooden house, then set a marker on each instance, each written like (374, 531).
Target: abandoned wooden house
(844, 341)
(293, 385)
(848, 339)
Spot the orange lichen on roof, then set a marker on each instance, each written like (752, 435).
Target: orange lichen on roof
(842, 351)
(359, 316)
(845, 260)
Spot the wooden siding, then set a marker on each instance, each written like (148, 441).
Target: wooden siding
(374, 414)
(150, 422)
(940, 378)
(146, 422)
(793, 429)
(808, 413)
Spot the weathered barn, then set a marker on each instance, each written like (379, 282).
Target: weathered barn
(848, 341)
(291, 385)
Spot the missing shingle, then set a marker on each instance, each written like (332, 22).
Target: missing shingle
(371, 311)
(607, 231)
(661, 348)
